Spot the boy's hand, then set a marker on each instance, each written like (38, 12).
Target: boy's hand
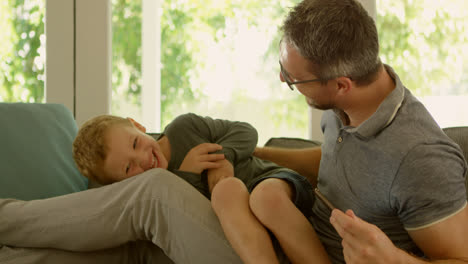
(224, 171)
(199, 158)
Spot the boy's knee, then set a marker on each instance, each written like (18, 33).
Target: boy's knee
(226, 191)
(269, 196)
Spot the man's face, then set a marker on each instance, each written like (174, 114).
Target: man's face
(317, 94)
(130, 152)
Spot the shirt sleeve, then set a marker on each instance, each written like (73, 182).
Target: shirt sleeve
(429, 186)
(238, 139)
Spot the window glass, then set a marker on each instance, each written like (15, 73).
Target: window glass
(218, 58)
(22, 50)
(426, 42)
(126, 58)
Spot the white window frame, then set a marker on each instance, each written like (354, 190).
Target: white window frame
(93, 59)
(151, 65)
(59, 67)
(79, 53)
(78, 56)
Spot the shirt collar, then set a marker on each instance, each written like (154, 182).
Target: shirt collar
(386, 111)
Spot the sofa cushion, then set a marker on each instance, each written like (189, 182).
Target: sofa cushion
(287, 142)
(36, 151)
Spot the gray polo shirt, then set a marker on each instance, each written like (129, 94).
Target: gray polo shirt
(397, 170)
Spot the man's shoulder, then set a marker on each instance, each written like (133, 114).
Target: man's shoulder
(414, 125)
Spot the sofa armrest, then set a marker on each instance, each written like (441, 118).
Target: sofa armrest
(287, 142)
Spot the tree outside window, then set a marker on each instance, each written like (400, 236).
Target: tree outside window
(22, 50)
(219, 58)
(426, 42)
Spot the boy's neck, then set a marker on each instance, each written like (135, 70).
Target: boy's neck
(165, 146)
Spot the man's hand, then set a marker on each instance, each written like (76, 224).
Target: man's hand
(200, 158)
(363, 242)
(224, 170)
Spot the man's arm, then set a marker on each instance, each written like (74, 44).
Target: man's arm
(305, 161)
(444, 242)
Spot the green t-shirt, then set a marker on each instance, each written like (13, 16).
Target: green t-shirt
(238, 139)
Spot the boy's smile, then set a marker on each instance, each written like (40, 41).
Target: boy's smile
(130, 152)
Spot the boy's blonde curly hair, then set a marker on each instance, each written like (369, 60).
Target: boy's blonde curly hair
(89, 146)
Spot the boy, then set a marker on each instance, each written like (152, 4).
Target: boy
(250, 196)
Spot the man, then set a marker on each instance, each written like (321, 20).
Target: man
(383, 158)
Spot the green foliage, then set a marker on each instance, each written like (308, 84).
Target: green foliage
(186, 26)
(176, 57)
(126, 53)
(422, 51)
(423, 40)
(22, 52)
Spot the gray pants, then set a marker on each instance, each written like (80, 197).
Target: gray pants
(118, 223)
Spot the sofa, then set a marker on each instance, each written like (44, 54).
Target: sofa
(36, 151)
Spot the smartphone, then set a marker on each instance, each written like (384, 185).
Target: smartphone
(324, 199)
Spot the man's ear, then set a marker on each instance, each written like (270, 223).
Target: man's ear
(137, 125)
(344, 85)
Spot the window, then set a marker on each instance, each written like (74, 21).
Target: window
(22, 50)
(426, 42)
(218, 58)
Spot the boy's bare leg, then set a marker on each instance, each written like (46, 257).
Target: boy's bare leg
(155, 206)
(250, 239)
(271, 202)
(134, 252)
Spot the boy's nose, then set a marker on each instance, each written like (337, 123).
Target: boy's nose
(146, 160)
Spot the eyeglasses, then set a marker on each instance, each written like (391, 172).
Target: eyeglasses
(290, 83)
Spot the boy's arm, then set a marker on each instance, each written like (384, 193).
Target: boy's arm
(225, 170)
(238, 139)
(304, 161)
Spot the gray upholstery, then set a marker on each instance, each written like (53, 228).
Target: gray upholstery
(154, 135)
(285, 142)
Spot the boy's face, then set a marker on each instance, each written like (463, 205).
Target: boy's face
(130, 151)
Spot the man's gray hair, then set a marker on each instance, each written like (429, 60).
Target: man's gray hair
(337, 37)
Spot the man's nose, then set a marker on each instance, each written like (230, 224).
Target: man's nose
(281, 77)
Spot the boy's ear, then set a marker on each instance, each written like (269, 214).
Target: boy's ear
(137, 125)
